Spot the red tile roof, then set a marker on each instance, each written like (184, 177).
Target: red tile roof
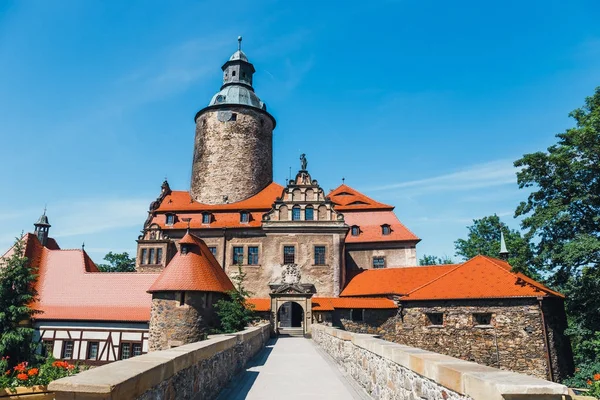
(478, 278)
(218, 220)
(370, 226)
(182, 201)
(346, 198)
(69, 288)
(198, 270)
(393, 281)
(331, 303)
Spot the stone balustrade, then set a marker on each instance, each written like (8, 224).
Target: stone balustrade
(198, 370)
(393, 371)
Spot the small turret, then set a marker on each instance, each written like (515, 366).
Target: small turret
(503, 249)
(42, 227)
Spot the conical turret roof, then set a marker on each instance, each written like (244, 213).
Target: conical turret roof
(195, 269)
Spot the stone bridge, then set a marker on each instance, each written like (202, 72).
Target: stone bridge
(335, 364)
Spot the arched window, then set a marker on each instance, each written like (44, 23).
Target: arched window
(355, 230)
(386, 229)
(296, 213)
(309, 213)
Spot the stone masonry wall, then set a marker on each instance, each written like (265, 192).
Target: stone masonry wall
(172, 324)
(233, 154)
(393, 371)
(513, 341)
(194, 371)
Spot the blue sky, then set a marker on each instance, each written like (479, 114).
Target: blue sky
(420, 104)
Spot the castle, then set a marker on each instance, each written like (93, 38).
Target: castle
(337, 258)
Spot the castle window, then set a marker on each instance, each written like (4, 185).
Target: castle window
(170, 219)
(253, 255)
(355, 230)
(144, 256)
(47, 347)
(232, 73)
(378, 262)
(67, 350)
(309, 213)
(319, 255)
(184, 249)
(159, 256)
(125, 351)
(289, 254)
(386, 229)
(296, 213)
(357, 314)
(182, 299)
(244, 217)
(233, 117)
(238, 255)
(206, 218)
(213, 250)
(436, 319)
(92, 350)
(482, 318)
(151, 256)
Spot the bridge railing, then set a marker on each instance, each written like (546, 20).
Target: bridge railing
(196, 370)
(394, 371)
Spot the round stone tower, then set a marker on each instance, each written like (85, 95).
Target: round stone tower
(233, 150)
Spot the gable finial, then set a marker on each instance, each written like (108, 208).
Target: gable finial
(239, 43)
(343, 180)
(503, 249)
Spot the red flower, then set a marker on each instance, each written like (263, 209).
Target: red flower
(21, 367)
(7, 372)
(589, 382)
(60, 364)
(22, 377)
(32, 372)
(70, 367)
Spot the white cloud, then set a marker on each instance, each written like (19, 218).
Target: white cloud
(495, 173)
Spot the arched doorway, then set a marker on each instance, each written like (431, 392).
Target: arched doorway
(290, 315)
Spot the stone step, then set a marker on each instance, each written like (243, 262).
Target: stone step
(295, 332)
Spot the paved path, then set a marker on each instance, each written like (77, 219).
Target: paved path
(291, 368)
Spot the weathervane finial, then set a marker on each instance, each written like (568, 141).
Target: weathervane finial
(239, 43)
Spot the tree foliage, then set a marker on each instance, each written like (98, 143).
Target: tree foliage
(562, 218)
(117, 262)
(235, 313)
(563, 211)
(433, 260)
(484, 239)
(17, 292)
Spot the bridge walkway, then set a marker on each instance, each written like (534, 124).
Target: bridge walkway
(292, 368)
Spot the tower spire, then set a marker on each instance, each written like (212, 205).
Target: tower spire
(503, 249)
(239, 43)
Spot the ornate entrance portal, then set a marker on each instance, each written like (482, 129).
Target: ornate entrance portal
(291, 302)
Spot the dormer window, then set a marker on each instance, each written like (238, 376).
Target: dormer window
(170, 219)
(184, 249)
(244, 217)
(355, 230)
(386, 229)
(206, 218)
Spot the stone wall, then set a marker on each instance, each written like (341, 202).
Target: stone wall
(393, 371)
(233, 154)
(359, 256)
(561, 354)
(514, 340)
(172, 324)
(194, 371)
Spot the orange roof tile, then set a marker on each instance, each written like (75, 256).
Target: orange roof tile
(478, 278)
(260, 304)
(393, 281)
(182, 201)
(331, 303)
(198, 270)
(370, 224)
(70, 288)
(346, 198)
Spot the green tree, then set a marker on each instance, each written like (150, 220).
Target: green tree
(17, 292)
(235, 313)
(433, 260)
(484, 239)
(562, 217)
(117, 262)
